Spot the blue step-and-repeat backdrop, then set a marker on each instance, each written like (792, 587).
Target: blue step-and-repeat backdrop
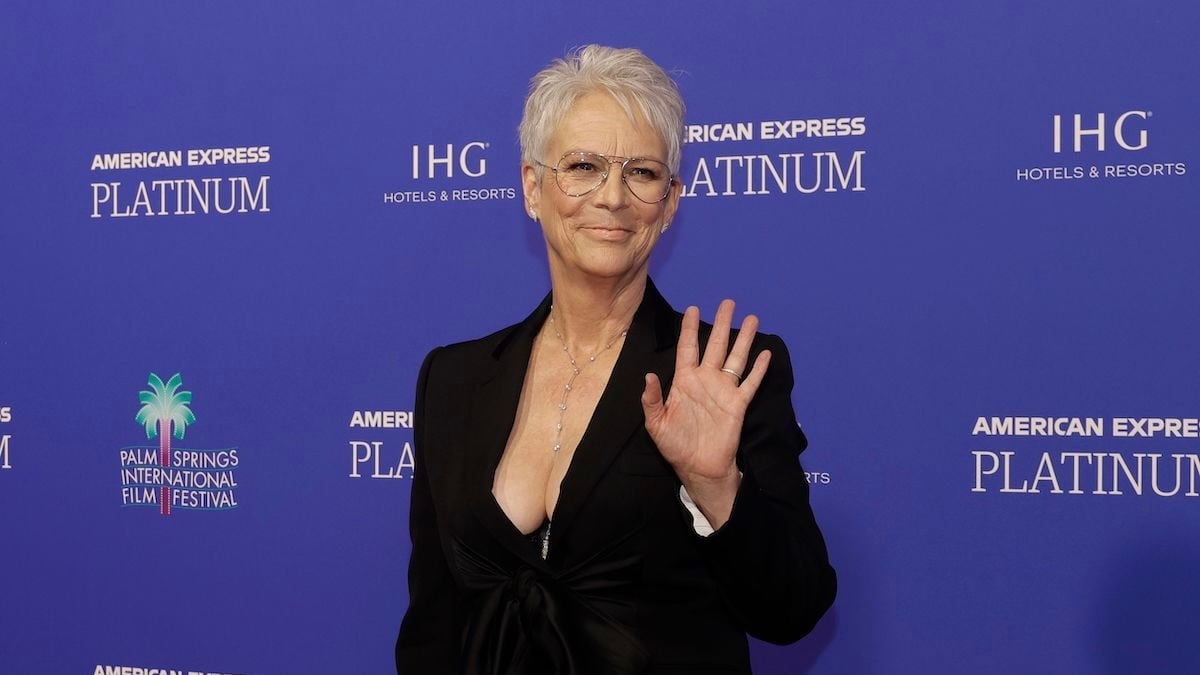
(976, 225)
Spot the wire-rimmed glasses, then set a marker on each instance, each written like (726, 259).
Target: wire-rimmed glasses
(579, 173)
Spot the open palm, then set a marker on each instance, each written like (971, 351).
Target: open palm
(698, 426)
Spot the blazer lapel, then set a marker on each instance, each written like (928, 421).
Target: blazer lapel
(493, 410)
(618, 415)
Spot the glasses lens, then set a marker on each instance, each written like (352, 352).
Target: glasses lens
(580, 172)
(649, 179)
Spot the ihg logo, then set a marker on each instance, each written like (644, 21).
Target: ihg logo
(433, 160)
(1128, 130)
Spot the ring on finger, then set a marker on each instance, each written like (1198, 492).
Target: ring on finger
(733, 373)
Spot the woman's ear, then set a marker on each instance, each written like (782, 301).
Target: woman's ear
(529, 186)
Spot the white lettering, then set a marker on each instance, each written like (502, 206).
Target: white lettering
(1146, 427)
(363, 452)
(182, 197)
(1075, 457)
(137, 160)
(701, 168)
(709, 133)
(1154, 475)
(1038, 426)
(1126, 474)
(797, 171)
(980, 472)
(359, 457)
(1097, 131)
(241, 155)
(382, 419)
(1045, 472)
(1079, 131)
(480, 167)
(1119, 131)
(853, 171)
(435, 158)
(1195, 473)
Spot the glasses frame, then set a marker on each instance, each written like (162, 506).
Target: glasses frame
(609, 161)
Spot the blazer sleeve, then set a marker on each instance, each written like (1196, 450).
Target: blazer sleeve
(769, 559)
(428, 643)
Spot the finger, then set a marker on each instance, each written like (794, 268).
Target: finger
(740, 354)
(652, 399)
(687, 353)
(718, 339)
(755, 377)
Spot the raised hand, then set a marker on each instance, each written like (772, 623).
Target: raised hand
(697, 428)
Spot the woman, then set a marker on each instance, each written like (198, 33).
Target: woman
(607, 486)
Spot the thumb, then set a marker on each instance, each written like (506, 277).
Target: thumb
(652, 399)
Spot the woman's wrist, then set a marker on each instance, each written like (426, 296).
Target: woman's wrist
(714, 497)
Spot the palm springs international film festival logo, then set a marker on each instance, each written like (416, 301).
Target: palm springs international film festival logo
(167, 477)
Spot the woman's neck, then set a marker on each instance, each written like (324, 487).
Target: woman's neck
(588, 314)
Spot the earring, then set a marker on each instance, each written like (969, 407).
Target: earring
(533, 214)
(664, 227)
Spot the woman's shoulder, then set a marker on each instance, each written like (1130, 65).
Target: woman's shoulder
(492, 345)
(461, 358)
(485, 345)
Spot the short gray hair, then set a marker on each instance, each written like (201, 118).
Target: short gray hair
(628, 75)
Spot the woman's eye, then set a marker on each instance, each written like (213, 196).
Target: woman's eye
(643, 173)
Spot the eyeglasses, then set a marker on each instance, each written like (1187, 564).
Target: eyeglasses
(579, 173)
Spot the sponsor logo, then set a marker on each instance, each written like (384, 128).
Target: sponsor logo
(175, 478)
(5, 418)
(375, 458)
(1079, 130)
(804, 157)
(181, 196)
(775, 129)
(449, 172)
(1100, 471)
(1101, 146)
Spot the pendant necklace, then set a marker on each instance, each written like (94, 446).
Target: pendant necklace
(576, 369)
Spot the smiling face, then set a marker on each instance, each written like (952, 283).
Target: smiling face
(607, 233)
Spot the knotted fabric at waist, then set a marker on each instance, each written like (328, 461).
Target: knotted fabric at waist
(534, 621)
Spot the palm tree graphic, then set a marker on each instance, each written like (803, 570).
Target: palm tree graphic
(162, 406)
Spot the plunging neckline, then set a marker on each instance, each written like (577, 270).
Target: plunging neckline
(548, 518)
(617, 416)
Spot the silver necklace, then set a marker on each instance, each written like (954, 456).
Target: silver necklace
(576, 369)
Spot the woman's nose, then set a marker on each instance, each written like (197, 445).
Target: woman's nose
(612, 192)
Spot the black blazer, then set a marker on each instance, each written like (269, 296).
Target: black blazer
(628, 586)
